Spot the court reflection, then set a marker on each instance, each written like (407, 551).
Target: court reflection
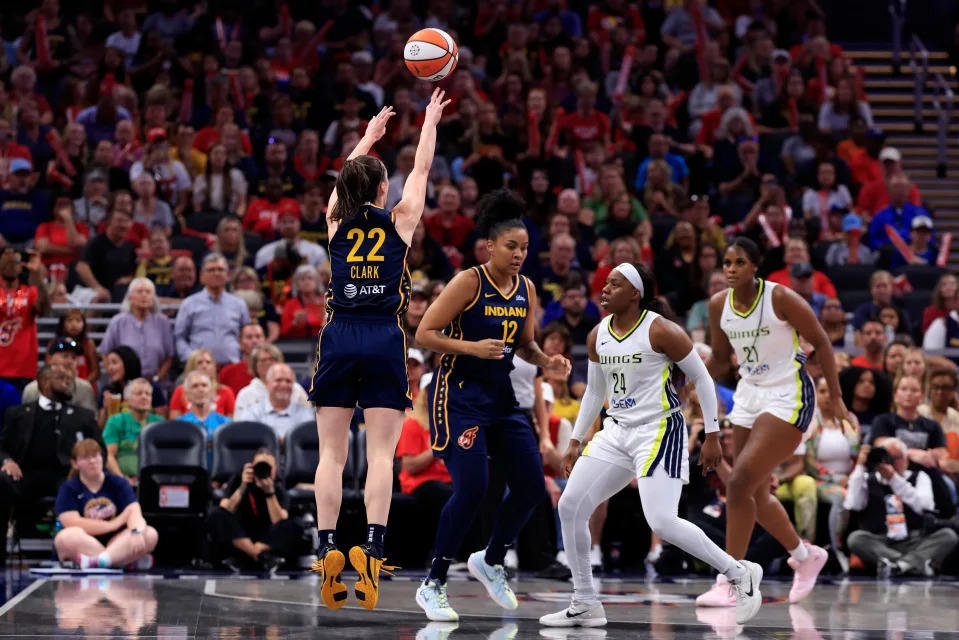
(105, 606)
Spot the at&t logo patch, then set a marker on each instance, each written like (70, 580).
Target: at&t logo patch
(349, 290)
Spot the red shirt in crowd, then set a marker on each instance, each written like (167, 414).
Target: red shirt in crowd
(236, 376)
(225, 401)
(261, 215)
(315, 317)
(18, 332)
(209, 136)
(453, 233)
(56, 235)
(414, 440)
(820, 281)
(861, 361)
(584, 129)
(874, 197)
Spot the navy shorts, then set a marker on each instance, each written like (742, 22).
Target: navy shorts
(466, 419)
(361, 363)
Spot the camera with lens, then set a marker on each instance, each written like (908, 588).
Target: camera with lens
(262, 470)
(876, 457)
(931, 522)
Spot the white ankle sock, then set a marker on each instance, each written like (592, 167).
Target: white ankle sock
(735, 572)
(800, 553)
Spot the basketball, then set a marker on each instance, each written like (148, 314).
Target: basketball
(431, 54)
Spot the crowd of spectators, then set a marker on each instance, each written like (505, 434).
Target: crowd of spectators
(176, 158)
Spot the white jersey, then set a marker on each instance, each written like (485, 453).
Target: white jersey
(767, 348)
(639, 387)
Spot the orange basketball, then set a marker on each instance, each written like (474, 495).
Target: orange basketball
(431, 54)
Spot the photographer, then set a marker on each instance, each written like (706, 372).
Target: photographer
(892, 502)
(253, 519)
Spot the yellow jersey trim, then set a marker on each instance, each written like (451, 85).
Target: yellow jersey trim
(759, 296)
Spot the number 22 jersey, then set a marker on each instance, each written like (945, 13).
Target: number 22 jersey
(369, 277)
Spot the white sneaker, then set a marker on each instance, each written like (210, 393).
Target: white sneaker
(437, 631)
(511, 560)
(596, 557)
(493, 578)
(746, 588)
(562, 559)
(576, 615)
(432, 598)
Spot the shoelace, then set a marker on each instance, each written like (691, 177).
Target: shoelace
(441, 597)
(499, 578)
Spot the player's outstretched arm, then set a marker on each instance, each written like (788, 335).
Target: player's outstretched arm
(409, 209)
(375, 129)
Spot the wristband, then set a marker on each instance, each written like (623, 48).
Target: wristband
(270, 495)
(135, 530)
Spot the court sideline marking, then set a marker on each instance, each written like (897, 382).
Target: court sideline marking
(20, 597)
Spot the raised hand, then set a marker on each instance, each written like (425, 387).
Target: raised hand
(434, 110)
(376, 128)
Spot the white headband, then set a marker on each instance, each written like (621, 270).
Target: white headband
(630, 273)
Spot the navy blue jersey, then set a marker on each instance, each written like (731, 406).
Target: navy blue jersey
(491, 313)
(368, 265)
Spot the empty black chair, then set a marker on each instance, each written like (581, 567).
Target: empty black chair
(193, 244)
(205, 222)
(852, 298)
(253, 243)
(234, 445)
(850, 277)
(915, 302)
(302, 453)
(173, 474)
(922, 276)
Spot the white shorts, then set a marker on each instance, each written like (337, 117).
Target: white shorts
(793, 401)
(643, 448)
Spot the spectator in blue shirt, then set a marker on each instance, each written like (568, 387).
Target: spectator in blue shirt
(920, 243)
(9, 397)
(659, 150)
(22, 208)
(899, 214)
(101, 518)
(200, 399)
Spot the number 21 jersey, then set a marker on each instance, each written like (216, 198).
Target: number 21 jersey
(767, 348)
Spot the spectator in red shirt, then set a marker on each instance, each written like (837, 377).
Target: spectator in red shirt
(305, 312)
(450, 228)
(61, 241)
(20, 305)
(796, 252)
(586, 124)
(307, 160)
(874, 196)
(873, 338)
(262, 213)
(210, 135)
(239, 374)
